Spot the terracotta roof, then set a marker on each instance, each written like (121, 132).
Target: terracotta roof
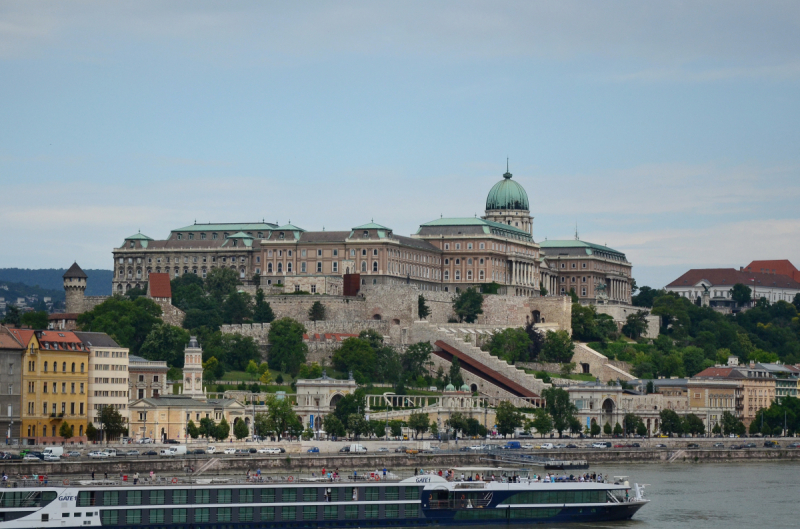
(777, 266)
(8, 341)
(731, 276)
(59, 341)
(75, 271)
(715, 372)
(158, 285)
(22, 335)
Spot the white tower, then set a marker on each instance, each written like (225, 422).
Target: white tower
(193, 370)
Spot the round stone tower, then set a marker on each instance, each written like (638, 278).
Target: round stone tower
(75, 289)
(507, 203)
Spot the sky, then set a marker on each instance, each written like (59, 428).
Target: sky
(666, 130)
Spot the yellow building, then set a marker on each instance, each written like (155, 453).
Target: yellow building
(55, 377)
(167, 417)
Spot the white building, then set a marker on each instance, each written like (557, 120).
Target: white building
(193, 370)
(108, 375)
(718, 283)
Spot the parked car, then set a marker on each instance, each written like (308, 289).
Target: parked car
(145, 441)
(771, 444)
(229, 451)
(242, 452)
(250, 450)
(547, 446)
(312, 450)
(527, 446)
(793, 445)
(400, 449)
(173, 442)
(693, 445)
(383, 449)
(74, 453)
(132, 453)
(211, 449)
(31, 457)
(661, 445)
(750, 445)
(198, 451)
(719, 445)
(346, 449)
(97, 454)
(572, 446)
(150, 453)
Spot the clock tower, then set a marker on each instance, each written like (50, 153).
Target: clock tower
(193, 370)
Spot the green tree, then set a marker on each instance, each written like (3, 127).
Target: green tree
(222, 430)
(607, 428)
(617, 430)
(594, 431)
(796, 302)
(66, 431)
(252, 369)
(220, 283)
(422, 308)
(511, 344)
(112, 423)
(457, 422)
(674, 312)
(635, 324)
(542, 291)
(286, 345)
(632, 422)
(729, 423)
(416, 358)
(396, 428)
(13, 316)
(135, 292)
(91, 432)
(262, 313)
(208, 428)
(212, 369)
(467, 305)
(716, 430)
(559, 407)
(542, 422)
(419, 423)
(357, 425)
(356, 355)
(334, 427)
(165, 342)
(316, 312)
(741, 294)
(641, 429)
(670, 422)
(455, 373)
(35, 320)
(352, 403)
(237, 308)
(507, 418)
(646, 296)
(558, 347)
(434, 428)
(280, 416)
(127, 322)
(192, 430)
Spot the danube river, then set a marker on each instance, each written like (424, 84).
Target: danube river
(711, 495)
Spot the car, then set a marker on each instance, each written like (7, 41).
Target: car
(771, 444)
(211, 449)
(145, 441)
(399, 450)
(346, 449)
(661, 445)
(173, 442)
(229, 451)
(793, 445)
(634, 445)
(547, 446)
(383, 449)
(251, 450)
(97, 454)
(527, 446)
(618, 445)
(242, 452)
(132, 453)
(736, 447)
(150, 453)
(750, 445)
(74, 453)
(475, 447)
(198, 451)
(572, 445)
(693, 445)
(281, 449)
(560, 445)
(30, 457)
(312, 450)
(464, 449)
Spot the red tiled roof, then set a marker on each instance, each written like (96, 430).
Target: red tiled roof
(721, 372)
(22, 335)
(777, 266)
(730, 276)
(59, 341)
(158, 285)
(8, 341)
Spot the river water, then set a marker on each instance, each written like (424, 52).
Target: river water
(760, 495)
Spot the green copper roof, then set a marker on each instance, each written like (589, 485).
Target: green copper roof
(289, 227)
(474, 221)
(257, 226)
(138, 237)
(371, 226)
(240, 235)
(575, 243)
(507, 194)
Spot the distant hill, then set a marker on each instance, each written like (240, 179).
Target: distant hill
(10, 291)
(98, 283)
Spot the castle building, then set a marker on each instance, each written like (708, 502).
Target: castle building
(445, 254)
(193, 370)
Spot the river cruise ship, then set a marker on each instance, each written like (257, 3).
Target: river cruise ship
(289, 503)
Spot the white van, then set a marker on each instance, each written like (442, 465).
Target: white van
(547, 446)
(53, 451)
(112, 452)
(210, 450)
(357, 449)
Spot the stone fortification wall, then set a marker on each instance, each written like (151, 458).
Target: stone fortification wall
(549, 367)
(337, 308)
(90, 302)
(621, 312)
(170, 313)
(399, 303)
(598, 364)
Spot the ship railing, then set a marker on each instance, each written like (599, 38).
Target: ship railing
(460, 504)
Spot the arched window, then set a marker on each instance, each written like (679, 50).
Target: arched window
(447, 275)
(81, 367)
(469, 261)
(269, 268)
(73, 367)
(363, 266)
(289, 267)
(374, 266)
(64, 367)
(280, 268)
(458, 275)
(45, 367)
(480, 274)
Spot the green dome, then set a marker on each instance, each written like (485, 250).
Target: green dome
(507, 194)
(465, 388)
(450, 387)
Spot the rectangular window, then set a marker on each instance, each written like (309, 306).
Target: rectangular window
(335, 265)
(202, 496)
(351, 512)
(411, 511)
(245, 514)
(310, 494)
(133, 516)
(111, 498)
(392, 493)
(85, 499)
(392, 511)
(224, 514)
(246, 496)
(202, 515)
(134, 497)
(372, 494)
(180, 497)
(412, 493)
(331, 512)
(289, 495)
(310, 513)
(289, 513)
(319, 267)
(267, 513)
(370, 511)
(267, 496)
(224, 496)
(110, 517)
(156, 516)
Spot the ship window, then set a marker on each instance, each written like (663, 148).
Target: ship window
(331, 512)
(180, 496)
(202, 496)
(411, 511)
(370, 511)
(156, 515)
(202, 515)
(310, 513)
(267, 513)
(412, 493)
(110, 517)
(288, 513)
(533, 513)
(85, 498)
(224, 496)
(245, 514)
(179, 515)
(289, 495)
(351, 512)
(267, 496)
(111, 498)
(309, 494)
(134, 497)
(224, 513)
(372, 494)
(133, 516)
(157, 497)
(246, 496)
(481, 514)
(392, 493)
(392, 511)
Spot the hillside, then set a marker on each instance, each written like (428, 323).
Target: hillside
(99, 282)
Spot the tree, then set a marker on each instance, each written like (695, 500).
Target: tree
(434, 428)
(280, 416)
(741, 294)
(510, 344)
(419, 423)
(334, 427)
(507, 418)
(91, 433)
(559, 407)
(310, 371)
(66, 431)
(192, 430)
(357, 425)
(646, 296)
(716, 430)
(567, 369)
(352, 403)
(796, 302)
(236, 308)
(558, 347)
(632, 422)
(127, 322)
(135, 292)
(455, 373)
(457, 422)
(594, 431)
(617, 430)
(607, 428)
(416, 358)
(670, 422)
(286, 345)
(641, 429)
(252, 369)
(467, 305)
(357, 356)
(220, 283)
(674, 312)
(222, 430)
(542, 291)
(262, 313)
(316, 312)
(13, 316)
(35, 320)
(266, 377)
(635, 324)
(422, 308)
(729, 423)
(165, 342)
(396, 428)
(111, 421)
(240, 430)
(542, 422)
(208, 427)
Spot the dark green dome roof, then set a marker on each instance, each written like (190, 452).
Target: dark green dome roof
(507, 194)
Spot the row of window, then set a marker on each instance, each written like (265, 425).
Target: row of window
(32, 431)
(45, 386)
(32, 408)
(32, 367)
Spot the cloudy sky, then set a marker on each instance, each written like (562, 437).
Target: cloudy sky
(667, 130)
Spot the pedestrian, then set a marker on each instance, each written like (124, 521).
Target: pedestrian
(92, 475)
(384, 473)
(136, 478)
(106, 475)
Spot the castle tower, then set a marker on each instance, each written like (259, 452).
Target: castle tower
(193, 370)
(507, 203)
(75, 289)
